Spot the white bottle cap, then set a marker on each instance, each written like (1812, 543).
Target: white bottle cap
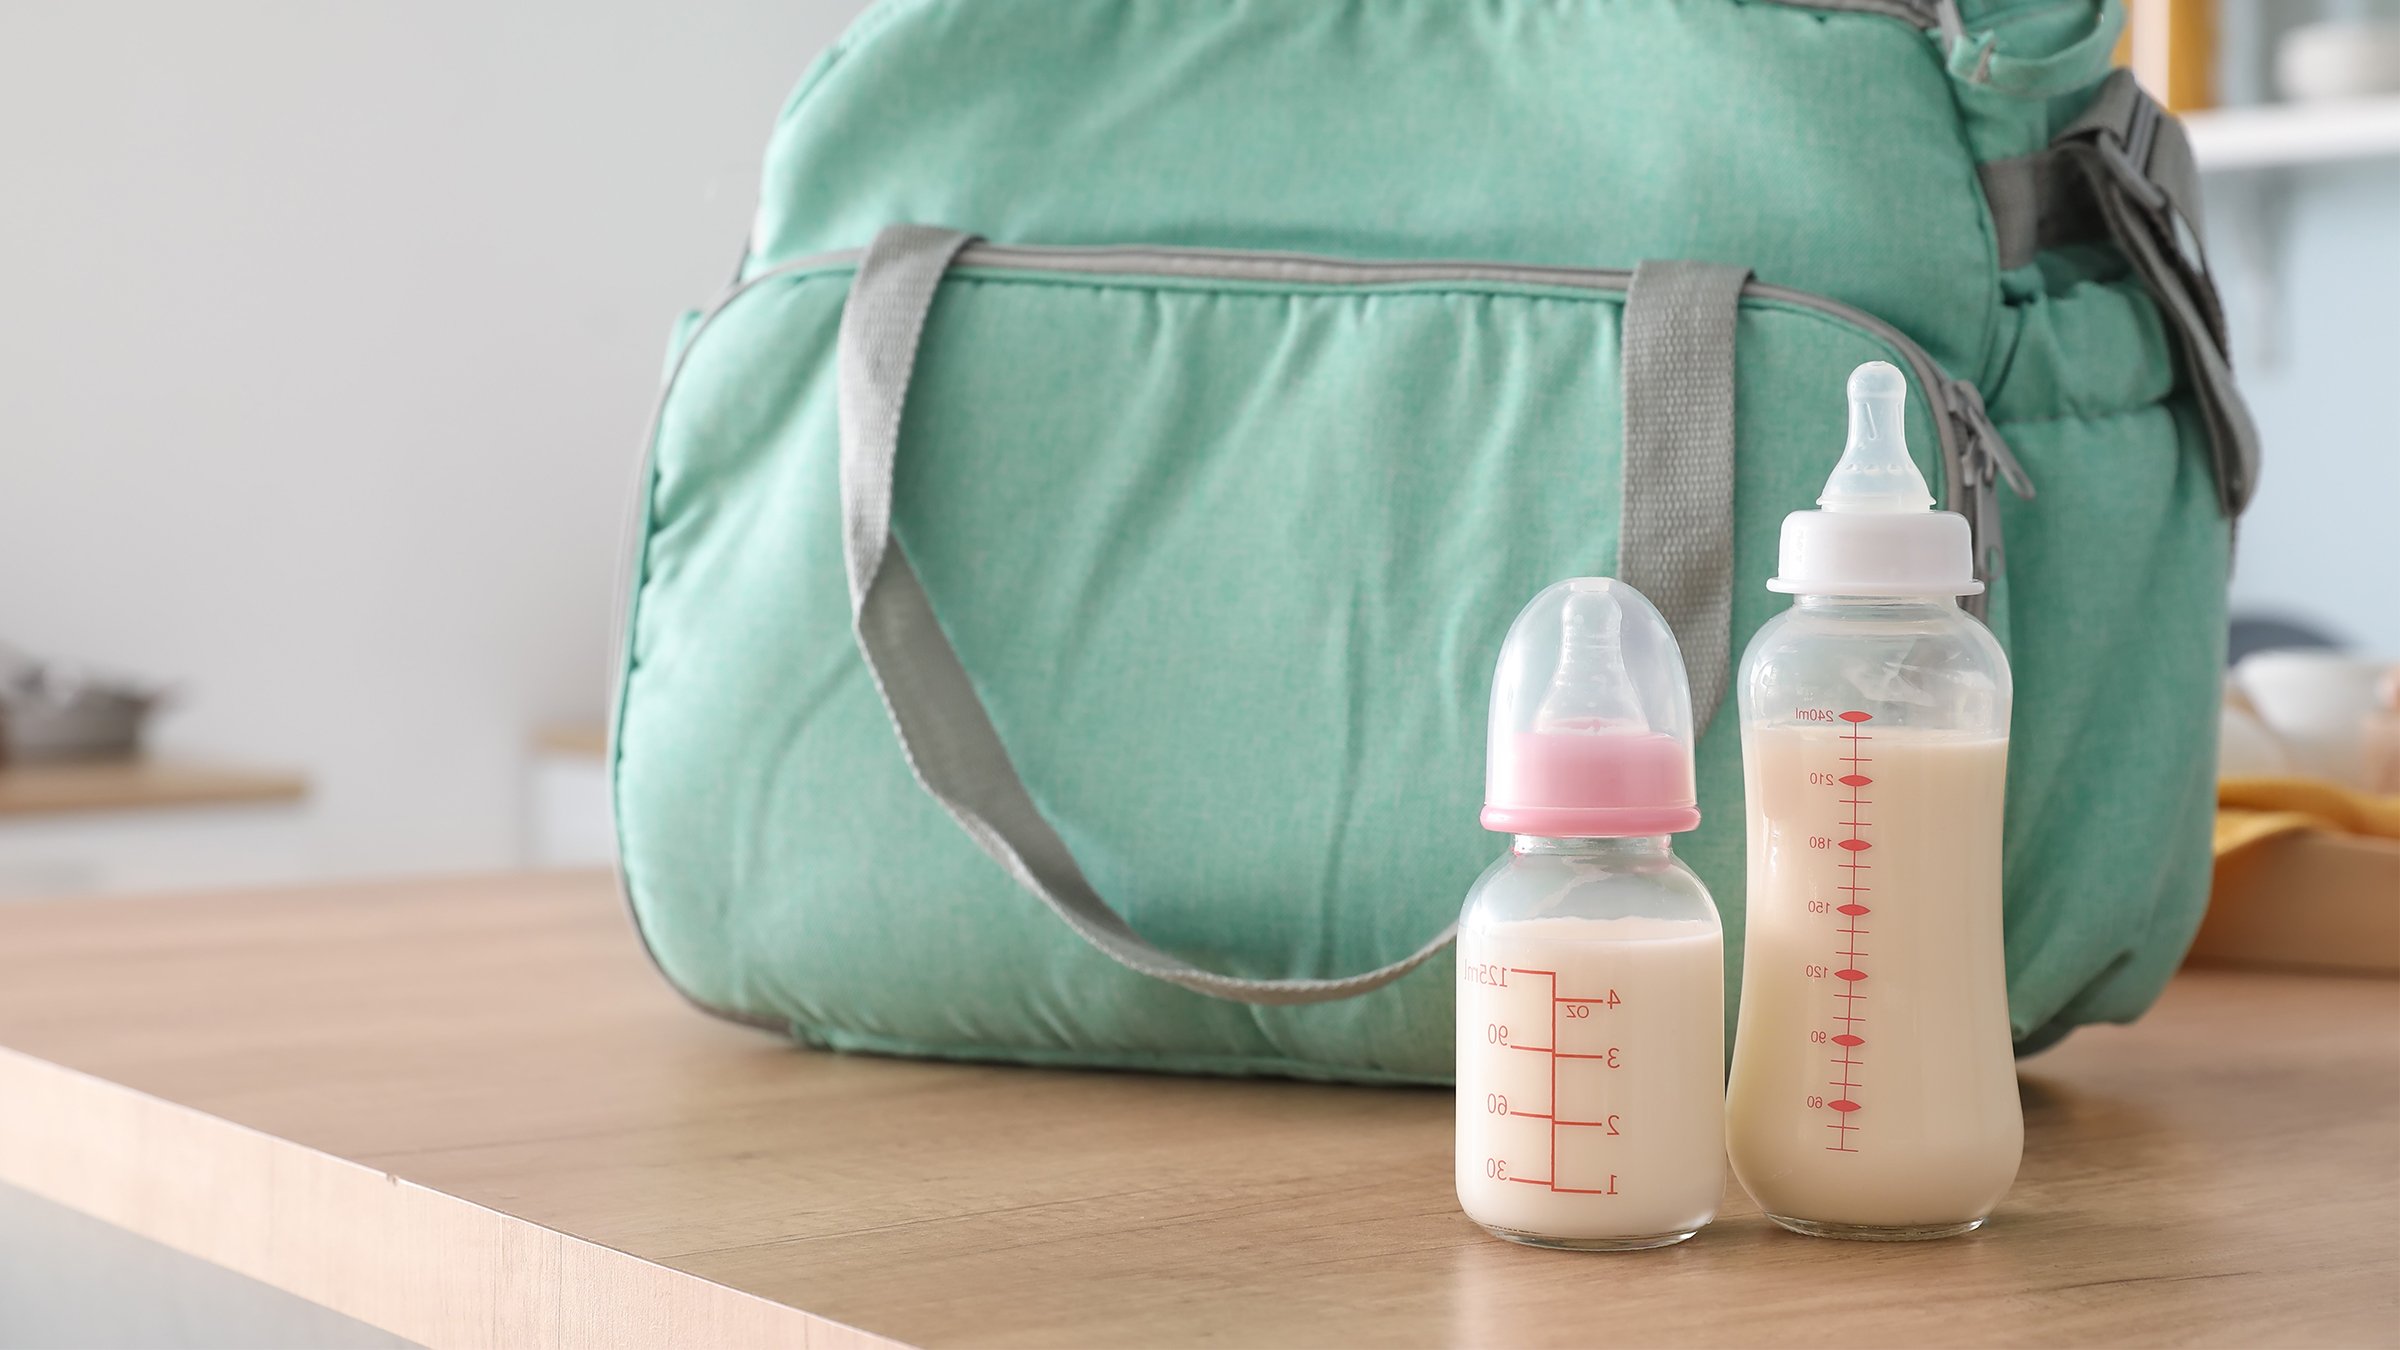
(1877, 533)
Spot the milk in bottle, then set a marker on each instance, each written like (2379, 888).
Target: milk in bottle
(1873, 1092)
(1590, 976)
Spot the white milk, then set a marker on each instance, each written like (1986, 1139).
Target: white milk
(1872, 1081)
(1590, 1090)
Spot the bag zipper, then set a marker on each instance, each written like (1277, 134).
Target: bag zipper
(1941, 15)
(1973, 455)
(1987, 462)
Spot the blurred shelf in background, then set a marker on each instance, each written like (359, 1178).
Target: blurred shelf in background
(138, 784)
(2279, 135)
(109, 826)
(572, 741)
(568, 820)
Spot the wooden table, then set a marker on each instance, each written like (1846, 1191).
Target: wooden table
(469, 1113)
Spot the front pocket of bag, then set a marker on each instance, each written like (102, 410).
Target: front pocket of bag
(1228, 561)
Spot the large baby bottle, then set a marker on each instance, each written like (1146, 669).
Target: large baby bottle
(1590, 1022)
(1874, 1093)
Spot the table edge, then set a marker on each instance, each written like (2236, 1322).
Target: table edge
(417, 1262)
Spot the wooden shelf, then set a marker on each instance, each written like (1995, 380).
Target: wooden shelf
(36, 789)
(2277, 135)
(572, 740)
(469, 1112)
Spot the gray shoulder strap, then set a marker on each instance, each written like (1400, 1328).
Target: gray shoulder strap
(943, 728)
(2039, 201)
(2124, 171)
(1679, 408)
(1677, 520)
(2044, 199)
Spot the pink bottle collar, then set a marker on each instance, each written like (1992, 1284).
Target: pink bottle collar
(1568, 785)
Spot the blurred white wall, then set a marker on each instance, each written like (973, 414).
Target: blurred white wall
(2309, 260)
(327, 331)
(326, 335)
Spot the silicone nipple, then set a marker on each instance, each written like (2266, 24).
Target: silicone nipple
(1875, 475)
(1589, 693)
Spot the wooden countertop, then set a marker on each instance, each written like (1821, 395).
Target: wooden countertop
(469, 1112)
(41, 788)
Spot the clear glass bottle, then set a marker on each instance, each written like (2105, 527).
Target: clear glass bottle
(1873, 1092)
(1590, 959)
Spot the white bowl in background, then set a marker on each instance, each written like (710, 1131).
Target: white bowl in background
(2339, 58)
(2316, 703)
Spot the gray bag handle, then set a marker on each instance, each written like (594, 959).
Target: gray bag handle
(1675, 530)
(945, 732)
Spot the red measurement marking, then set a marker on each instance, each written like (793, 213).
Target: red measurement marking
(1849, 974)
(1551, 1182)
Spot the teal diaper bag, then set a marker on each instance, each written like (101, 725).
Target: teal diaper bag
(1068, 563)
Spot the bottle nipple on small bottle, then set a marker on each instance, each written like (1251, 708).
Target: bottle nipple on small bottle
(1875, 475)
(1591, 730)
(1590, 693)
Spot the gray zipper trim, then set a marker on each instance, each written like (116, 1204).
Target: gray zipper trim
(1929, 14)
(1939, 18)
(1972, 452)
(1973, 457)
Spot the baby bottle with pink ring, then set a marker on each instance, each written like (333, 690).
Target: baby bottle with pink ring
(1590, 960)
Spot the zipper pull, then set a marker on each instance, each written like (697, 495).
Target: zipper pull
(2002, 459)
(1988, 462)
